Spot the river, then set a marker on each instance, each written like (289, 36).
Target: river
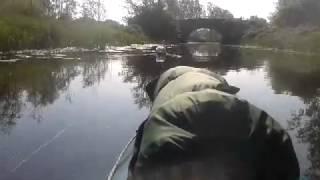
(67, 116)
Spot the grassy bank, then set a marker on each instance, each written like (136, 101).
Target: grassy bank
(27, 32)
(304, 39)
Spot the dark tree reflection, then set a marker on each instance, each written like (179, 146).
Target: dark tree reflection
(307, 124)
(140, 70)
(10, 102)
(41, 83)
(94, 69)
(290, 75)
(297, 75)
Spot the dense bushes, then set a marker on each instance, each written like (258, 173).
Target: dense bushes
(305, 39)
(20, 32)
(89, 33)
(295, 25)
(297, 13)
(156, 23)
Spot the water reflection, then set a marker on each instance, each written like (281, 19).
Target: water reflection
(290, 75)
(140, 70)
(40, 83)
(204, 52)
(93, 69)
(299, 76)
(10, 101)
(307, 124)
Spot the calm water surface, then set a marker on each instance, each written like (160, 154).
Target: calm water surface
(69, 119)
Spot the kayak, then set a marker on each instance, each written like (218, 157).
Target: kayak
(120, 170)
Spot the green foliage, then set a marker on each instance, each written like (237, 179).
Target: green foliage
(20, 32)
(157, 17)
(296, 26)
(296, 13)
(93, 9)
(257, 21)
(22, 7)
(217, 12)
(189, 9)
(90, 33)
(300, 39)
(155, 22)
(50, 23)
(256, 26)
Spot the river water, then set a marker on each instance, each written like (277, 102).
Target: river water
(67, 116)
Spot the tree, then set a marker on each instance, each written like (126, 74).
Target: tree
(47, 6)
(306, 122)
(286, 3)
(153, 18)
(172, 7)
(296, 13)
(57, 8)
(189, 9)
(25, 7)
(258, 22)
(138, 6)
(93, 9)
(217, 12)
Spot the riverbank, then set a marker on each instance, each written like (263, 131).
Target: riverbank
(27, 32)
(305, 39)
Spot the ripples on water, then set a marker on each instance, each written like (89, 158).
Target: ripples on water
(65, 114)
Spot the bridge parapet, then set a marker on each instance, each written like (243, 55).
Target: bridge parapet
(231, 29)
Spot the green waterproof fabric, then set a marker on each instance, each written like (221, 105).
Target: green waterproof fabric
(193, 111)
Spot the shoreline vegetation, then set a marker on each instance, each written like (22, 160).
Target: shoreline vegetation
(294, 25)
(22, 32)
(302, 39)
(45, 24)
(48, 24)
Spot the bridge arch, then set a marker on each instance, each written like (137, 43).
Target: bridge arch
(205, 35)
(231, 29)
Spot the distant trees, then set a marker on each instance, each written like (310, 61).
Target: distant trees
(59, 23)
(172, 7)
(157, 17)
(93, 9)
(53, 8)
(59, 9)
(63, 9)
(189, 9)
(258, 22)
(217, 12)
(178, 9)
(27, 7)
(297, 12)
(287, 3)
(153, 18)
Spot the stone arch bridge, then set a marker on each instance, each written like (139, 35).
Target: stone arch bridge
(231, 30)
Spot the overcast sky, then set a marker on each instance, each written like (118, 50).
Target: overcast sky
(239, 8)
